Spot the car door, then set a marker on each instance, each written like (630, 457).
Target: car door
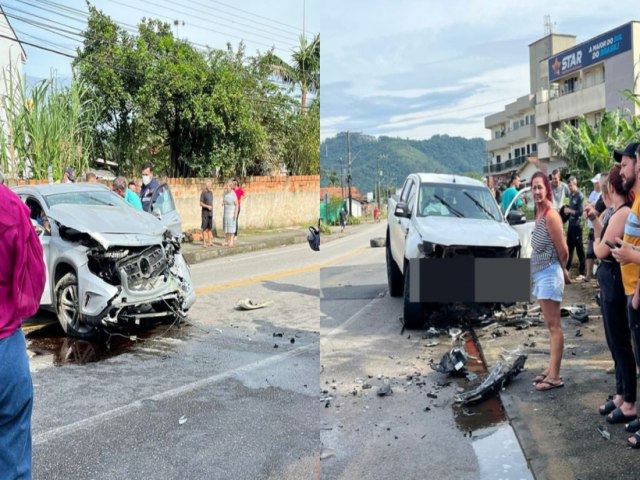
(400, 230)
(164, 208)
(524, 229)
(35, 206)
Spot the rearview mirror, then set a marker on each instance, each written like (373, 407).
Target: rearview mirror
(402, 210)
(516, 217)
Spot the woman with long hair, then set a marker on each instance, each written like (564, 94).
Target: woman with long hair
(620, 407)
(549, 254)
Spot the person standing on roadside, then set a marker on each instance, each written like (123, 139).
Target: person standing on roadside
(594, 196)
(549, 255)
(574, 231)
(119, 186)
(90, 177)
(230, 214)
(510, 193)
(627, 253)
(343, 219)
(560, 190)
(621, 407)
(206, 203)
(149, 186)
(240, 194)
(22, 279)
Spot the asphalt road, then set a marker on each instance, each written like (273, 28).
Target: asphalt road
(220, 397)
(416, 432)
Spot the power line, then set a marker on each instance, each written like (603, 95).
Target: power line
(255, 15)
(288, 36)
(38, 46)
(194, 25)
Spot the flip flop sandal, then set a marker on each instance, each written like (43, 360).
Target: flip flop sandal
(608, 407)
(633, 426)
(637, 444)
(551, 386)
(538, 378)
(618, 417)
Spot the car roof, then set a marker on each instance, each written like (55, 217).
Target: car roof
(47, 189)
(448, 178)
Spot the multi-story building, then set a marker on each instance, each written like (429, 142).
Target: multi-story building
(566, 81)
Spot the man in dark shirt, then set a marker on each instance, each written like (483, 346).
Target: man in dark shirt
(149, 185)
(574, 230)
(206, 202)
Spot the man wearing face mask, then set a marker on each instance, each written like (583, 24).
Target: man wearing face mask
(149, 185)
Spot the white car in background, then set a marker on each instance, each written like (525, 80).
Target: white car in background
(108, 264)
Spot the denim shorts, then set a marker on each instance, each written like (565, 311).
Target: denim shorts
(548, 284)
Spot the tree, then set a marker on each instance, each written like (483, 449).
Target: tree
(588, 149)
(304, 70)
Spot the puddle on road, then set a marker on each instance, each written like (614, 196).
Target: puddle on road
(492, 437)
(49, 339)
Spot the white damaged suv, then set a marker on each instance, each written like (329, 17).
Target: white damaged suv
(446, 216)
(107, 263)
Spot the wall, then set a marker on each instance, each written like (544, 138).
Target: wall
(269, 201)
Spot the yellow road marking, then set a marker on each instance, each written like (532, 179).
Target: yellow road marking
(276, 276)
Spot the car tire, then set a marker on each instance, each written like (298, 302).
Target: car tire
(68, 309)
(414, 312)
(394, 275)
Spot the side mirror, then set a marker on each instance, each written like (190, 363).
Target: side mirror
(156, 213)
(516, 217)
(402, 210)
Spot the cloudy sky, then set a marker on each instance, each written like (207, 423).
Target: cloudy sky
(57, 24)
(415, 68)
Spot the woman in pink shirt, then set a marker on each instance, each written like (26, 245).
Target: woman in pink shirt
(239, 193)
(22, 278)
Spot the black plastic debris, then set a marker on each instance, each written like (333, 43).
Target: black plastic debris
(578, 333)
(576, 312)
(432, 395)
(497, 379)
(384, 389)
(293, 340)
(278, 334)
(452, 361)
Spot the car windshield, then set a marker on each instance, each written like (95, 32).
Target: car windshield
(91, 197)
(452, 200)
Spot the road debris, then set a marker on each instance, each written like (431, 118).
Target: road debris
(248, 304)
(604, 432)
(433, 343)
(452, 361)
(326, 453)
(576, 312)
(384, 389)
(278, 334)
(497, 379)
(182, 420)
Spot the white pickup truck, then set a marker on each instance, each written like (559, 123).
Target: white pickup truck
(441, 216)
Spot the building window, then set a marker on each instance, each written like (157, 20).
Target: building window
(528, 149)
(570, 85)
(522, 122)
(517, 152)
(534, 147)
(497, 158)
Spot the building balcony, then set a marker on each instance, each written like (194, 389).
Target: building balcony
(571, 105)
(503, 167)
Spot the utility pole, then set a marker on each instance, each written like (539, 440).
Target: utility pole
(378, 177)
(349, 171)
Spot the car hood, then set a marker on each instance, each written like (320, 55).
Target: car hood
(466, 231)
(108, 225)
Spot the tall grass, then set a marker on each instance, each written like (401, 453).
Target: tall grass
(45, 125)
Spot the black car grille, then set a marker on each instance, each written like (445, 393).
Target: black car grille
(144, 267)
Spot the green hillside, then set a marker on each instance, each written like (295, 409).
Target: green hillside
(439, 154)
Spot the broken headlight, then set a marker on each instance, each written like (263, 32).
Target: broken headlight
(115, 254)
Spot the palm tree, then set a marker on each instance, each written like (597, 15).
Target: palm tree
(304, 70)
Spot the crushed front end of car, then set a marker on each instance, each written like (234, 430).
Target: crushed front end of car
(135, 285)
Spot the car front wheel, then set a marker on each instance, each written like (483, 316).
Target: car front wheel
(394, 275)
(68, 308)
